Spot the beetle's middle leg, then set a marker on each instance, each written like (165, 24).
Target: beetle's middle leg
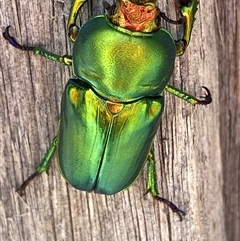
(152, 185)
(41, 168)
(65, 59)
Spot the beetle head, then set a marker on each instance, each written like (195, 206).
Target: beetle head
(139, 15)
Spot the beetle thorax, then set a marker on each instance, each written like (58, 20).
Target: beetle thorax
(135, 17)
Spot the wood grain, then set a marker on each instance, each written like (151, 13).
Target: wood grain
(197, 147)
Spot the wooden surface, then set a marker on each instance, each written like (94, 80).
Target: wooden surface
(197, 147)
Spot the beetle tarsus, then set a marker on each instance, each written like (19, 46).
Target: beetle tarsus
(183, 3)
(176, 22)
(171, 205)
(21, 189)
(14, 42)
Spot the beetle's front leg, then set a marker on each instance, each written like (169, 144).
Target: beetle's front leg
(65, 59)
(152, 186)
(71, 26)
(204, 100)
(188, 9)
(41, 168)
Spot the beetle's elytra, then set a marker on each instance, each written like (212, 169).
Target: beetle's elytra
(110, 112)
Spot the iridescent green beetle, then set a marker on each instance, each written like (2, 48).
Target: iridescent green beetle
(110, 113)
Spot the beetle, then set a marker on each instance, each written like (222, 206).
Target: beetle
(110, 112)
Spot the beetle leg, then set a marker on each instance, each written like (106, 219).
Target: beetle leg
(152, 186)
(204, 100)
(188, 9)
(41, 168)
(71, 26)
(65, 59)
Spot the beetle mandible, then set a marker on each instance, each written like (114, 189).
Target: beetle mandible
(110, 112)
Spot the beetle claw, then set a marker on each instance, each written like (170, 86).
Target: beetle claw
(183, 3)
(146, 192)
(179, 5)
(205, 99)
(171, 205)
(21, 189)
(14, 42)
(176, 22)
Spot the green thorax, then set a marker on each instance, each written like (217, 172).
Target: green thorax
(122, 65)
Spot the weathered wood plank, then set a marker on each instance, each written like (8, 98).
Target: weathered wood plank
(197, 148)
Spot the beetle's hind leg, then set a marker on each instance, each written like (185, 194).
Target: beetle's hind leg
(41, 168)
(152, 186)
(65, 59)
